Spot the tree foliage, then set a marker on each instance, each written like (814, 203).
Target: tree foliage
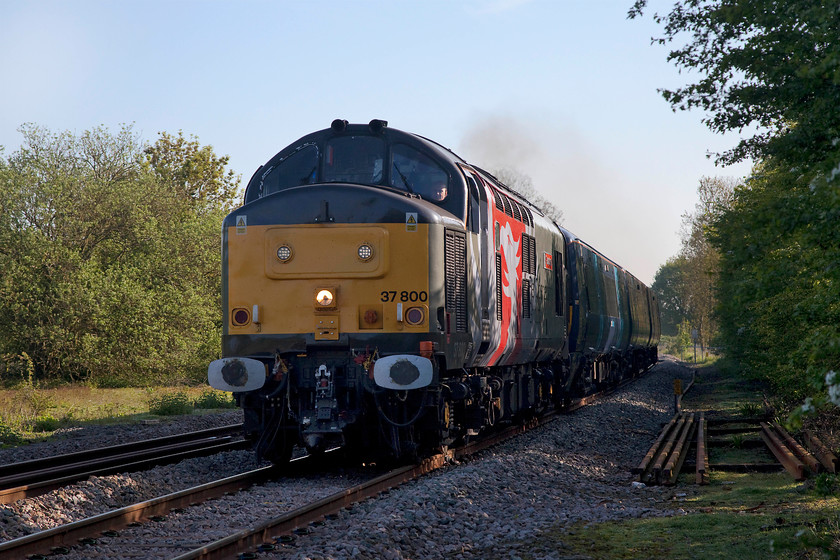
(668, 283)
(770, 64)
(780, 278)
(110, 273)
(774, 67)
(194, 171)
(686, 283)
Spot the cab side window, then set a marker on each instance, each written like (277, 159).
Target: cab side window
(415, 172)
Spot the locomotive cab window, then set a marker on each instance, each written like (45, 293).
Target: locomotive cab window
(300, 168)
(354, 159)
(417, 173)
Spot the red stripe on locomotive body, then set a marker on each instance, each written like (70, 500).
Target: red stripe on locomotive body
(510, 248)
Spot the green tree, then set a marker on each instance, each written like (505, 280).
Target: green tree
(779, 281)
(686, 283)
(669, 286)
(773, 67)
(194, 171)
(111, 273)
(702, 260)
(769, 64)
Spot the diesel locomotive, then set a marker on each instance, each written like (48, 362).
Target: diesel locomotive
(382, 294)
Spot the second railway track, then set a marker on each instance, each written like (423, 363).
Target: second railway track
(259, 532)
(31, 478)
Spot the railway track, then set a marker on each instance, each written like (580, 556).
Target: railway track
(275, 532)
(687, 432)
(268, 533)
(32, 478)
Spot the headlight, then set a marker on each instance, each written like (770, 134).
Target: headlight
(365, 251)
(284, 253)
(325, 298)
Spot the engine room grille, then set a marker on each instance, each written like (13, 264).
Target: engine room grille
(526, 298)
(529, 254)
(499, 286)
(455, 249)
(498, 197)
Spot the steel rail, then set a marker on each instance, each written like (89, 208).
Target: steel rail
(14, 493)
(823, 453)
(672, 468)
(10, 470)
(61, 538)
(65, 536)
(263, 533)
(802, 454)
(785, 456)
(643, 470)
(26, 479)
(702, 462)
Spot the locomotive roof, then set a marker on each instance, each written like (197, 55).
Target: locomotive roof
(375, 127)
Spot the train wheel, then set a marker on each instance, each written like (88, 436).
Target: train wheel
(276, 445)
(282, 454)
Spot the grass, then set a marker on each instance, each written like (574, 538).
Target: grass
(718, 387)
(750, 516)
(28, 413)
(742, 516)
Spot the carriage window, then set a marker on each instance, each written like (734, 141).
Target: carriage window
(415, 172)
(300, 168)
(354, 159)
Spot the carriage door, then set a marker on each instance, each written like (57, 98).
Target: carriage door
(479, 224)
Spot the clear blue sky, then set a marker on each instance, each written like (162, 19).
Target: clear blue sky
(565, 91)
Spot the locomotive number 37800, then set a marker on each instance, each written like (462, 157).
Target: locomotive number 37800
(394, 295)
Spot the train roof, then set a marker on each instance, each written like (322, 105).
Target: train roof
(571, 238)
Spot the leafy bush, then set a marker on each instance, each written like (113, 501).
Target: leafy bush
(37, 401)
(8, 436)
(115, 276)
(170, 404)
(45, 424)
(212, 398)
(826, 484)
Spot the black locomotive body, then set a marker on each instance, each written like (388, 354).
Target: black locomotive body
(382, 294)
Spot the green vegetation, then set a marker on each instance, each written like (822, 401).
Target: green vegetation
(755, 516)
(211, 398)
(745, 516)
(827, 484)
(27, 414)
(179, 402)
(170, 404)
(769, 70)
(110, 257)
(9, 436)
